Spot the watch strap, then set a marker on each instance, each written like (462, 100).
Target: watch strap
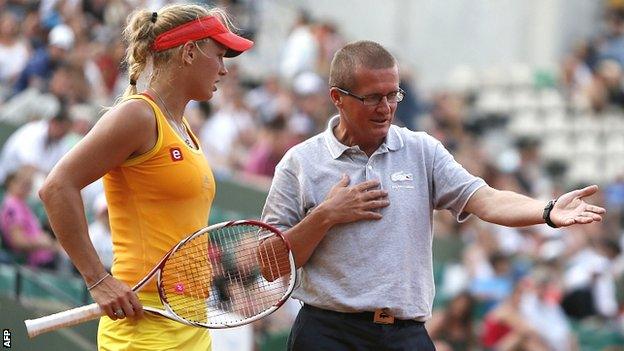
(546, 214)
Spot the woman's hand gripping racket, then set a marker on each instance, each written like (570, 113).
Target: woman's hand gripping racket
(222, 276)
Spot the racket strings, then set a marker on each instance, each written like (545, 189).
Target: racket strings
(186, 279)
(227, 275)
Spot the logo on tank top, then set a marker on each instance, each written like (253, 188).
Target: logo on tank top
(176, 154)
(206, 182)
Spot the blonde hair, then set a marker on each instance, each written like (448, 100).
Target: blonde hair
(140, 33)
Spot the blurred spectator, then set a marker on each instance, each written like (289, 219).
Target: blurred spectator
(452, 329)
(229, 132)
(448, 113)
(540, 308)
(40, 144)
(529, 171)
(106, 59)
(20, 227)
(614, 197)
(86, 75)
(505, 329)
(492, 289)
(576, 72)
(273, 142)
(83, 117)
(32, 28)
(589, 281)
(301, 49)
(196, 115)
(41, 65)
(312, 105)
(14, 51)
(612, 46)
(329, 41)
(100, 233)
(39, 103)
(606, 87)
(476, 254)
(409, 109)
(266, 99)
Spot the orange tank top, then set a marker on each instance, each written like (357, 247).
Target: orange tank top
(155, 200)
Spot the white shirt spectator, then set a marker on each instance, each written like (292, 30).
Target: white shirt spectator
(549, 320)
(29, 105)
(13, 58)
(300, 53)
(29, 145)
(14, 51)
(221, 131)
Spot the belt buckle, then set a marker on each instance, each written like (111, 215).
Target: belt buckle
(383, 317)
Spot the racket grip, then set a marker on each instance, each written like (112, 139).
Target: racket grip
(62, 319)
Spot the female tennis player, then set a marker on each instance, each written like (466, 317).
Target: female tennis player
(157, 182)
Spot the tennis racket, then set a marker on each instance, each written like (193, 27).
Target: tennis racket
(225, 275)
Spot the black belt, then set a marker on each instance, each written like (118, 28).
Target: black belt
(363, 316)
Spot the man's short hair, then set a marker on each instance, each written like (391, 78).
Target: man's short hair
(364, 53)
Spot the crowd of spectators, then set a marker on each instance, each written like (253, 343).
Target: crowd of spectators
(501, 289)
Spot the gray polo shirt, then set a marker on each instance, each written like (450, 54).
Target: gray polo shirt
(367, 265)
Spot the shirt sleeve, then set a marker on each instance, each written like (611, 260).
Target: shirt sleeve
(452, 184)
(283, 208)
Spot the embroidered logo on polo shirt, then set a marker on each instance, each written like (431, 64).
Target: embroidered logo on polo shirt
(401, 177)
(176, 154)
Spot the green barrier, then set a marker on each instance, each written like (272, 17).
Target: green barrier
(237, 200)
(7, 279)
(12, 320)
(41, 285)
(6, 129)
(274, 341)
(595, 336)
(70, 289)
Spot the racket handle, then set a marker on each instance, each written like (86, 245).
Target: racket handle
(63, 319)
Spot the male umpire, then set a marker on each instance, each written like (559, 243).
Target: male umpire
(365, 249)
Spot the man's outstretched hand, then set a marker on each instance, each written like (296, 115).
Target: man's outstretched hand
(572, 209)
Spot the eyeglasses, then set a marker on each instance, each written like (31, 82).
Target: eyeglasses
(375, 99)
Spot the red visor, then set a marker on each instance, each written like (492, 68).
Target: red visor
(201, 28)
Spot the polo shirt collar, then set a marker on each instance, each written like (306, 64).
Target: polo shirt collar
(393, 140)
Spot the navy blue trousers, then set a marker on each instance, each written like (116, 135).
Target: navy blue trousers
(316, 329)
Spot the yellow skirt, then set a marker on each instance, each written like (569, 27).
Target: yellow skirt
(150, 333)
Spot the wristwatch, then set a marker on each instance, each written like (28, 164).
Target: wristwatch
(546, 214)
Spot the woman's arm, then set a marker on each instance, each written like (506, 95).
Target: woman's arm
(128, 130)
